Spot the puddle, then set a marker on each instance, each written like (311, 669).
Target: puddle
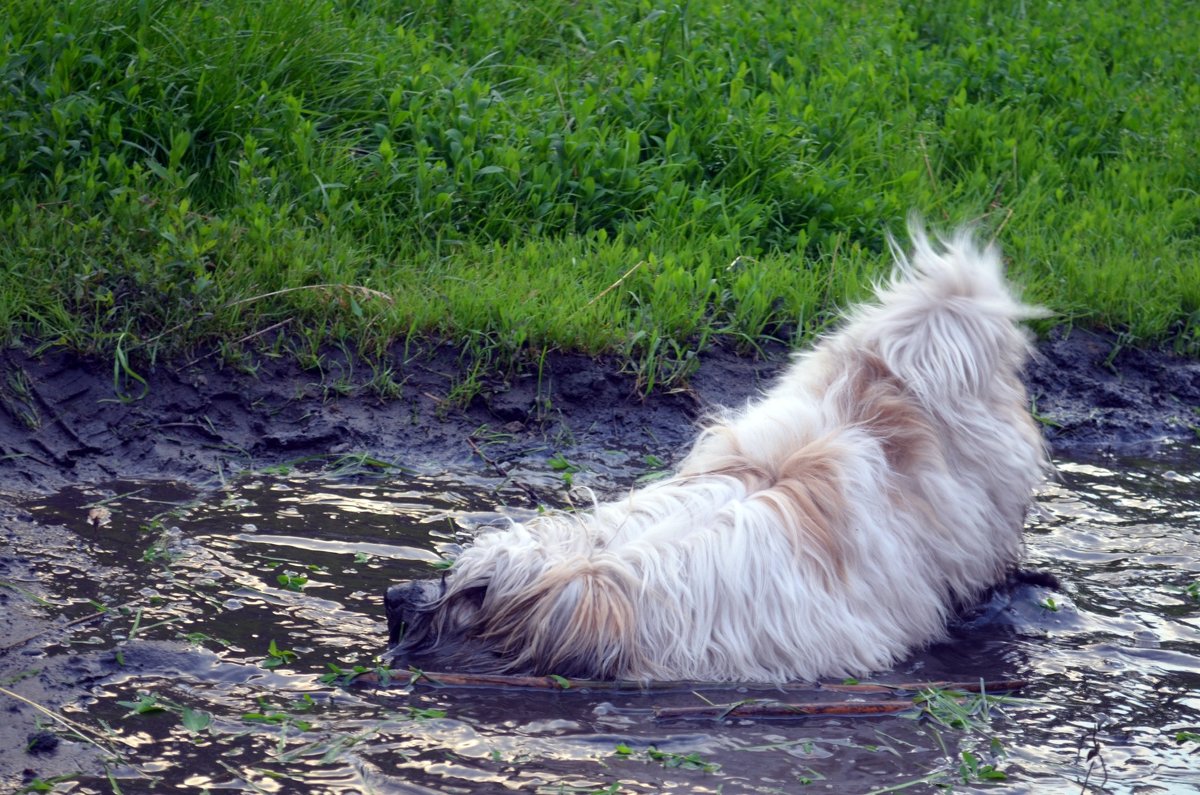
(220, 618)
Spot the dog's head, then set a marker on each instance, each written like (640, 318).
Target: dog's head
(428, 622)
(574, 618)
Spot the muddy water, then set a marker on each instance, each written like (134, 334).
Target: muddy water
(196, 588)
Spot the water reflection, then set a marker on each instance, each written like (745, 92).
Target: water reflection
(300, 562)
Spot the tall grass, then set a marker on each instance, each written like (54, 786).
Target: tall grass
(630, 177)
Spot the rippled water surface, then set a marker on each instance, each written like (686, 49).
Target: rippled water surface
(227, 611)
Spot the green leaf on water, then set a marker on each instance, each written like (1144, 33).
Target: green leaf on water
(145, 705)
(277, 656)
(195, 720)
(293, 582)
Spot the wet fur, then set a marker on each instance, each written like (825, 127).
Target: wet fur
(828, 528)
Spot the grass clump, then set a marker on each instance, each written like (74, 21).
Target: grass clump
(637, 177)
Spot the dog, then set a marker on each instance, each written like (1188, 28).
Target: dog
(829, 528)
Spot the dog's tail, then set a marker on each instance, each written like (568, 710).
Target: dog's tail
(946, 321)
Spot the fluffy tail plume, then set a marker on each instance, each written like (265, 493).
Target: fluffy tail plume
(945, 322)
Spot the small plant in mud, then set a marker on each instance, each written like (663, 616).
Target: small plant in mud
(808, 776)
(1042, 418)
(195, 720)
(277, 656)
(162, 549)
(19, 400)
(690, 761)
(277, 718)
(1049, 604)
(1193, 591)
(465, 387)
(384, 384)
(358, 465)
(565, 468)
(656, 469)
(147, 704)
(965, 712)
(957, 710)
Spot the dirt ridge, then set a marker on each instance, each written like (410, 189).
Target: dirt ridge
(62, 420)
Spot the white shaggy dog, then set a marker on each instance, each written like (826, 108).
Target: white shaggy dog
(826, 529)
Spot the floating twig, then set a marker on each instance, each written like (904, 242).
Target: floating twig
(785, 709)
(978, 686)
(446, 679)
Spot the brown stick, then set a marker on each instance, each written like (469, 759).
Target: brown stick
(371, 679)
(780, 709)
(440, 679)
(978, 686)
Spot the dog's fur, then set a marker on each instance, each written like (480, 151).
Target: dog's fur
(826, 529)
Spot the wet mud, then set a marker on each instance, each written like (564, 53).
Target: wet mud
(194, 428)
(63, 422)
(64, 419)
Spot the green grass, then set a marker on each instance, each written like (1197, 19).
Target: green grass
(639, 178)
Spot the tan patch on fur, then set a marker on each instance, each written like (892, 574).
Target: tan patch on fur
(805, 490)
(578, 618)
(877, 401)
(808, 495)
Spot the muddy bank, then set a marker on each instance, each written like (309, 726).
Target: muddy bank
(62, 420)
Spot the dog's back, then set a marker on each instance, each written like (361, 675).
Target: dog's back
(898, 456)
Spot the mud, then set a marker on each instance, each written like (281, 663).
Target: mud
(63, 420)
(66, 420)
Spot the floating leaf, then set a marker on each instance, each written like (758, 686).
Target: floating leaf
(195, 720)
